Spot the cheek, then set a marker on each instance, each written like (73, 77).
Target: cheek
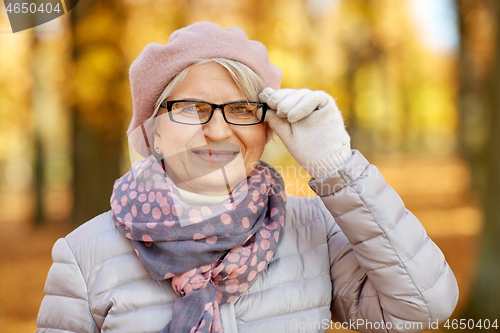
(254, 141)
(173, 138)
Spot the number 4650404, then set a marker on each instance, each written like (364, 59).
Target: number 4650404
(32, 8)
(463, 324)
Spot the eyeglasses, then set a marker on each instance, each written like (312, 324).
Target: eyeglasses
(193, 112)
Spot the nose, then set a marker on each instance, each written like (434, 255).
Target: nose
(217, 129)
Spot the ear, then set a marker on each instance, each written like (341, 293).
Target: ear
(157, 140)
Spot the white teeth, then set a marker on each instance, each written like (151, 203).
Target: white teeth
(213, 155)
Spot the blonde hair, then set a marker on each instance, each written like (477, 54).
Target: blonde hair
(247, 81)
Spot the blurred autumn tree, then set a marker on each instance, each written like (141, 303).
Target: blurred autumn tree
(98, 109)
(479, 107)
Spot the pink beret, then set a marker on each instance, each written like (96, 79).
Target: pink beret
(158, 64)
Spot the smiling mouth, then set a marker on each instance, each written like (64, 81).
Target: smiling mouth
(216, 156)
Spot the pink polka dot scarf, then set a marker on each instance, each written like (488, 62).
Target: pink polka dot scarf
(211, 253)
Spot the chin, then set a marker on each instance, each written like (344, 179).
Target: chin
(212, 179)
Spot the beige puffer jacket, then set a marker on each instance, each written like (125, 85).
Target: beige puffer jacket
(355, 256)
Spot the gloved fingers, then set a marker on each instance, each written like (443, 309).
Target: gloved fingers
(276, 96)
(294, 104)
(264, 95)
(279, 125)
(312, 101)
(289, 101)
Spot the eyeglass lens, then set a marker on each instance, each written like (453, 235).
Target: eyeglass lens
(199, 112)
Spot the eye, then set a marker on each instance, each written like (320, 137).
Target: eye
(190, 109)
(240, 109)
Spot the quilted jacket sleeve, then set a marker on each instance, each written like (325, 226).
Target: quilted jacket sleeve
(65, 307)
(384, 267)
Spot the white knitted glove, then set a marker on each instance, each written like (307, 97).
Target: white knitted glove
(311, 127)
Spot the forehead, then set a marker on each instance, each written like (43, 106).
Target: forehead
(210, 82)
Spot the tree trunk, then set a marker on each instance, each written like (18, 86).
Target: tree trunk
(484, 303)
(96, 167)
(98, 113)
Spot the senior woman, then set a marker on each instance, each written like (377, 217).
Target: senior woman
(201, 236)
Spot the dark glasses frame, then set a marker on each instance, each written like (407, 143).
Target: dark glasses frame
(168, 105)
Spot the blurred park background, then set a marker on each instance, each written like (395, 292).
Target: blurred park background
(417, 82)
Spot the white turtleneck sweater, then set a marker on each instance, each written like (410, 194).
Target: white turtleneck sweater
(195, 199)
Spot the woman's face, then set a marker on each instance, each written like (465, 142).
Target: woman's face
(207, 158)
